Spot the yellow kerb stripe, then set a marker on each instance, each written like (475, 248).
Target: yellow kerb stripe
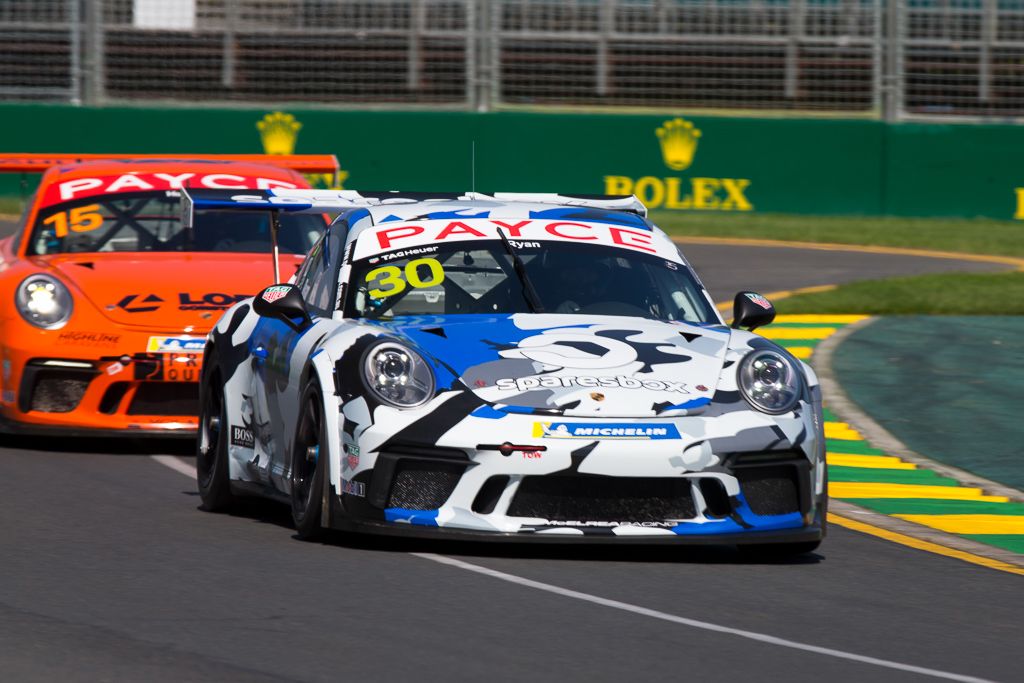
(837, 319)
(859, 489)
(877, 462)
(801, 351)
(927, 546)
(841, 430)
(970, 524)
(797, 332)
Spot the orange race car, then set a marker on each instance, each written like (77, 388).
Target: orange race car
(107, 300)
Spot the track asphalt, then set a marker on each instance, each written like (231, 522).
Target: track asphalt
(109, 572)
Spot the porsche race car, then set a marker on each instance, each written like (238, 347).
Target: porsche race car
(506, 367)
(108, 298)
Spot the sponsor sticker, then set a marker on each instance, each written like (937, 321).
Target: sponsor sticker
(759, 300)
(175, 344)
(272, 294)
(353, 488)
(241, 436)
(603, 430)
(94, 339)
(115, 368)
(621, 382)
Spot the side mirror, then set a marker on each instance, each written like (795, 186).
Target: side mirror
(751, 310)
(283, 302)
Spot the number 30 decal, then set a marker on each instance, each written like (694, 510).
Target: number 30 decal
(391, 277)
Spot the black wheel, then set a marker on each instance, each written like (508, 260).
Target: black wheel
(309, 463)
(212, 448)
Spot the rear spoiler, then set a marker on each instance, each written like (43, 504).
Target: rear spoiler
(302, 163)
(275, 201)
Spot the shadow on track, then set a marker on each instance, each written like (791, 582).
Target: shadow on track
(99, 445)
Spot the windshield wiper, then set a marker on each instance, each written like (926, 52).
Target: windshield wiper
(529, 293)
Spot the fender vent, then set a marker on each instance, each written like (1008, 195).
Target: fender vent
(165, 398)
(770, 490)
(423, 485)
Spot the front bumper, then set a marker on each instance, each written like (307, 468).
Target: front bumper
(727, 479)
(71, 392)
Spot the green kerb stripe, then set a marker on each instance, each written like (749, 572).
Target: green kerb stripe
(924, 506)
(866, 474)
(855, 447)
(1011, 542)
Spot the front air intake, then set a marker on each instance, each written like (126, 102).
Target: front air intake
(590, 498)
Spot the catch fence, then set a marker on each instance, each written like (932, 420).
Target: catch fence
(894, 59)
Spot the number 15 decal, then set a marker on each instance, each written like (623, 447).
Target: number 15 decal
(391, 277)
(81, 219)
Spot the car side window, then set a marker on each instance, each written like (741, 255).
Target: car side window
(319, 281)
(304, 278)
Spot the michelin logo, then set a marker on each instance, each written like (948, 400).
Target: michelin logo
(603, 430)
(621, 382)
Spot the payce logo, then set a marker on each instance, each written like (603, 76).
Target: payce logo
(679, 139)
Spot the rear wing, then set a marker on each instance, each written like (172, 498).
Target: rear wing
(302, 163)
(335, 201)
(275, 201)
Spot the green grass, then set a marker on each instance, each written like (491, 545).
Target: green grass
(977, 236)
(11, 206)
(947, 294)
(943, 294)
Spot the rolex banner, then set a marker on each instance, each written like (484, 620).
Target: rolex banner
(671, 161)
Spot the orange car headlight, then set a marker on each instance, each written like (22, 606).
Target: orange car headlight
(44, 301)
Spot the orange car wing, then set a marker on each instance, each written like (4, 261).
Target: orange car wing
(38, 163)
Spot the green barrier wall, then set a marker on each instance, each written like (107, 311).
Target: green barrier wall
(810, 166)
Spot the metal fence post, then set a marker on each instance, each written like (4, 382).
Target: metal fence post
(414, 66)
(75, 47)
(94, 75)
(892, 79)
(227, 64)
(797, 11)
(989, 34)
(606, 23)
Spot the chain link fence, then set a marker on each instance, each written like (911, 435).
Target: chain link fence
(891, 58)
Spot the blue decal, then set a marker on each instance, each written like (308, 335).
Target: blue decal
(420, 517)
(594, 216)
(488, 413)
(695, 403)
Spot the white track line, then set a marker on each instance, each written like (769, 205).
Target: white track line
(176, 465)
(189, 471)
(693, 623)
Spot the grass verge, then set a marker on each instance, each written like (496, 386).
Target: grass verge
(941, 294)
(944, 294)
(976, 236)
(11, 206)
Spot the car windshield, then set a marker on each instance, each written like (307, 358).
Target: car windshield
(479, 277)
(151, 221)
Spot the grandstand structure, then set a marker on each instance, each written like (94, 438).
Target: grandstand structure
(890, 59)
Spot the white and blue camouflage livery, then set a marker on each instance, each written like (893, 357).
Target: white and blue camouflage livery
(514, 367)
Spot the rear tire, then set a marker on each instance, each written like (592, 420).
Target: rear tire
(309, 464)
(212, 449)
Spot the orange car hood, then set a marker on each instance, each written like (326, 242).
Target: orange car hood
(168, 291)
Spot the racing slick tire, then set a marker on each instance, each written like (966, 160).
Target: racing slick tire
(212, 449)
(309, 458)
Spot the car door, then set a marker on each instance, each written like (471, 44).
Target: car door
(280, 353)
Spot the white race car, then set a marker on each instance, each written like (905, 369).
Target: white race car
(509, 366)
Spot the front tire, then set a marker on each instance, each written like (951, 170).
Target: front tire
(212, 449)
(309, 464)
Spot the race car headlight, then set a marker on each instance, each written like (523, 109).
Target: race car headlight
(398, 375)
(44, 301)
(769, 381)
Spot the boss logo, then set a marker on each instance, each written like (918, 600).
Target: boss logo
(240, 436)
